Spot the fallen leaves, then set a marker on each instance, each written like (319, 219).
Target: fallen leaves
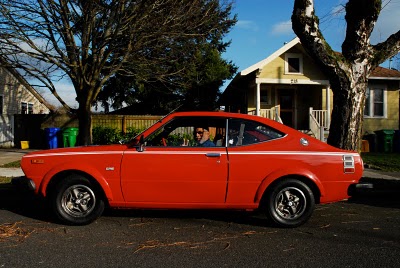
(224, 240)
(13, 230)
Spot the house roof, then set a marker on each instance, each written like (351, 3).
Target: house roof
(384, 73)
(18, 76)
(261, 64)
(378, 73)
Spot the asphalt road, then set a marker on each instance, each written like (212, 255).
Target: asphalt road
(361, 232)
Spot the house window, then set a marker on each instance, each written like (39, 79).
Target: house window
(293, 63)
(1, 104)
(375, 102)
(26, 108)
(265, 96)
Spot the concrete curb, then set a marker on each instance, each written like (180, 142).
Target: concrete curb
(11, 172)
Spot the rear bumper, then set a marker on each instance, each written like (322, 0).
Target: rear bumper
(356, 187)
(24, 183)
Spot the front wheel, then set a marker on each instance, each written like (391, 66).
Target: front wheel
(290, 203)
(77, 201)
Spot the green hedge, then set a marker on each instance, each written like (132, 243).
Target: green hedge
(107, 135)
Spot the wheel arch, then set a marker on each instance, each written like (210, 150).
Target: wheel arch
(272, 180)
(57, 174)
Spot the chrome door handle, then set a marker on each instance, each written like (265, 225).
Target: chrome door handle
(213, 154)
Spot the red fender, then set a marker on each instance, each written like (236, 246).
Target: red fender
(74, 166)
(306, 173)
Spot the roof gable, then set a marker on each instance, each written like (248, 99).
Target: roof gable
(261, 64)
(22, 80)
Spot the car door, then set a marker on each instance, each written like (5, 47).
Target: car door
(173, 175)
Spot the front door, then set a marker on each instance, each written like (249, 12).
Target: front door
(175, 168)
(286, 102)
(175, 175)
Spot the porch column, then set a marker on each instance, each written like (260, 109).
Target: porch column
(258, 99)
(328, 105)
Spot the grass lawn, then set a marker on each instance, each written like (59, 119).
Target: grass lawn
(14, 164)
(5, 180)
(382, 161)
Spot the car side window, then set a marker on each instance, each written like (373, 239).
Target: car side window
(244, 132)
(190, 131)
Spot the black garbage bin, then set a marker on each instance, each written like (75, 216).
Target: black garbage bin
(396, 141)
(385, 140)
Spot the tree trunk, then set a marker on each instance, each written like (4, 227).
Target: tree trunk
(85, 125)
(347, 113)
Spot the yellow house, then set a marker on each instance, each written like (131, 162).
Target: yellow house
(289, 87)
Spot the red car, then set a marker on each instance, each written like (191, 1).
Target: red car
(197, 160)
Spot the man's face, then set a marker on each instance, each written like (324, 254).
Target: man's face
(199, 132)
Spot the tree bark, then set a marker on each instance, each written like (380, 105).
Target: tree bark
(85, 125)
(347, 114)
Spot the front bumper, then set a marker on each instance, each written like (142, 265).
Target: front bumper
(24, 183)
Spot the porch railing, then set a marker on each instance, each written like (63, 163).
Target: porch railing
(316, 128)
(272, 113)
(318, 120)
(321, 116)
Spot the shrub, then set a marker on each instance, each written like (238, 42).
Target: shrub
(108, 135)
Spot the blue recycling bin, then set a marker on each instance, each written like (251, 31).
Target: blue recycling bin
(51, 137)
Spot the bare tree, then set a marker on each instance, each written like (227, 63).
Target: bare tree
(348, 71)
(90, 41)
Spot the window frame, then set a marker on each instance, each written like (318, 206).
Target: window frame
(233, 134)
(268, 91)
(298, 56)
(189, 122)
(369, 108)
(28, 106)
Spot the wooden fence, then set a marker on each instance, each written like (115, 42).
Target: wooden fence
(31, 127)
(124, 122)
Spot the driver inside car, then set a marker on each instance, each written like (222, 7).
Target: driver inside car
(202, 137)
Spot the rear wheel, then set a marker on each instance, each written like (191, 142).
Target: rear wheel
(76, 200)
(290, 203)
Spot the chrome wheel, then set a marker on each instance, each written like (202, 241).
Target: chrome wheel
(290, 203)
(78, 201)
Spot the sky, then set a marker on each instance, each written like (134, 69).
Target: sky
(264, 26)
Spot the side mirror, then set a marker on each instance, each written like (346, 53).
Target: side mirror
(141, 144)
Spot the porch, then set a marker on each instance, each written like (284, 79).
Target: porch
(318, 120)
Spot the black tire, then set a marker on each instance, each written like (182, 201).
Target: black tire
(290, 203)
(76, 201)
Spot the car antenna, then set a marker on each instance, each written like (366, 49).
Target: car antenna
(170, 113)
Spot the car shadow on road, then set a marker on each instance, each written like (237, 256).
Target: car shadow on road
(23, 202)
(385, 193)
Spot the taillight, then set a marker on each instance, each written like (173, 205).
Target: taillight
(348, 164)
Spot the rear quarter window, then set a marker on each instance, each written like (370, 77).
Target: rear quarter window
(245, 132)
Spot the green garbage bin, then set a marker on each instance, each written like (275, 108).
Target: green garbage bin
(385, 140)
(69, 136)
